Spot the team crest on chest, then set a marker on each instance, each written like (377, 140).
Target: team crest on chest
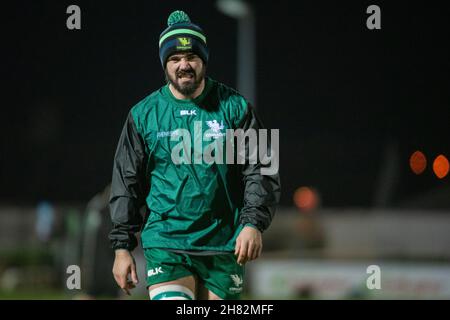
(215, 129)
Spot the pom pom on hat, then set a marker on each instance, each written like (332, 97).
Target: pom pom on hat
(178, 16)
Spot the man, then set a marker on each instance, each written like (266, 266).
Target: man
(200, 222)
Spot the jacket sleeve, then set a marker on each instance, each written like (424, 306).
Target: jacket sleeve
(128, 187)
(261, 192)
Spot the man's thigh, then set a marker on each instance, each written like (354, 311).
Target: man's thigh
(169, 270)
(203, 293)
(221, 276)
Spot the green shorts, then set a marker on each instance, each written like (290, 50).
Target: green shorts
(220, 274)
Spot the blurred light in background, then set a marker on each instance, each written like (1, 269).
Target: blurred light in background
(440, 166)
(418, 162)
(243, 12)
(45, 216)
(306, 199)
(234, 8)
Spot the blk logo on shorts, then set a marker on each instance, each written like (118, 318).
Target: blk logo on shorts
(154, 271)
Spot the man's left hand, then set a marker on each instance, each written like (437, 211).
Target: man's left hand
(248, 245)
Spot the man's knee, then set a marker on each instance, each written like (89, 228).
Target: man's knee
(181, 289)
(171, 292)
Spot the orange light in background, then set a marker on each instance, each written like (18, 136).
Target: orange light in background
(306, 199)
(440, 166)
(418, 162)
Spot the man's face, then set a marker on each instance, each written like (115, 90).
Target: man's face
(185, 71)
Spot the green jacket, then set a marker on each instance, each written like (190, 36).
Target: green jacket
(186, 206)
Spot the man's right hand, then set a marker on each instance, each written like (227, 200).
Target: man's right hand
(125, 265)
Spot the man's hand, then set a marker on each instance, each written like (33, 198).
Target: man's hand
(248, 245)
(124, 265)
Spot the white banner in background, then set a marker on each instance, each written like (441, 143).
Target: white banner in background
(317, 279)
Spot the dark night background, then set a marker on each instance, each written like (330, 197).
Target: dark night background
(338, 92)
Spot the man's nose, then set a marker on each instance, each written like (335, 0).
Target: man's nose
(184, 64)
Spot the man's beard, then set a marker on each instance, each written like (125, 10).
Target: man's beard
(186, 88)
